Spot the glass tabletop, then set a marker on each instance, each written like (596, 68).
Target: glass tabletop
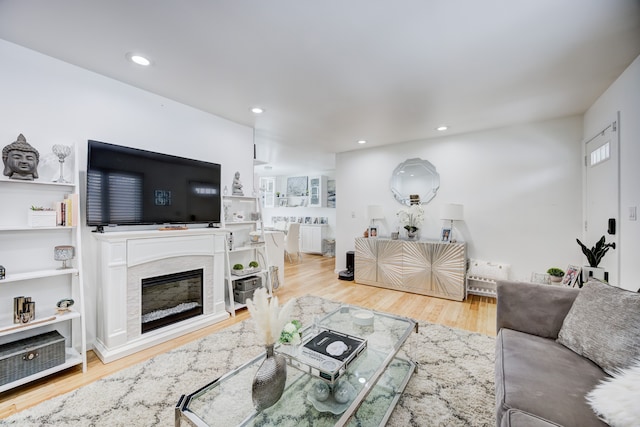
(376, 374)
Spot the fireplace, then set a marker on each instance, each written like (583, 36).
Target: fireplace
(130, 264)
(170, 298)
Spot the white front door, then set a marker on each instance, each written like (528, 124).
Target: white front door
(602, 192)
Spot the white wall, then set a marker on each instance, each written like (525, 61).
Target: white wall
(624, 96)
(52, 102)
(520, 187)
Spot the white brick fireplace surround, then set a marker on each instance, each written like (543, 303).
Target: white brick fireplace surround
(125, 258)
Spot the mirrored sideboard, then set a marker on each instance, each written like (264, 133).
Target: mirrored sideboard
(423, 267)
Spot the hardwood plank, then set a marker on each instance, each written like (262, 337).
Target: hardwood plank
(313, 276)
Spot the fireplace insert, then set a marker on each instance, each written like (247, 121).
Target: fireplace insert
(170, 299)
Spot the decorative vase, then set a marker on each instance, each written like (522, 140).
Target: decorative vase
(268, 384)
(412, 235)
(593, 272)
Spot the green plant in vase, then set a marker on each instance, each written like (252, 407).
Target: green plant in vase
(597, 252)
(594, 256)
(412, 217)
(556, 274)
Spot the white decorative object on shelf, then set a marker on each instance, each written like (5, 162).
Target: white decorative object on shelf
(64, 253)
(62, 151)
(236, 187)
(41, 218)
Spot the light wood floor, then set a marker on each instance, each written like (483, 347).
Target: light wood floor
(313, 276)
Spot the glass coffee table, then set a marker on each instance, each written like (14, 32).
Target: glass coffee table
(370, 386)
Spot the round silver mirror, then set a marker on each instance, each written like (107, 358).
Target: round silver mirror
(415, 181)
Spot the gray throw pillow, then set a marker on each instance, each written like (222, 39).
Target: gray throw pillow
(603, 325)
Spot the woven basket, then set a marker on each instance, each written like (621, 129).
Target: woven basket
(19, 359)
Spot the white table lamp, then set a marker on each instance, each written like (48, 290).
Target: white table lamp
(452, 212)
(375, 212)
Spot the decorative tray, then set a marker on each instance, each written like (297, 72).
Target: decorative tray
(245, 271)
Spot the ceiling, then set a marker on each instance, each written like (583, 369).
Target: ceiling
(329, 73)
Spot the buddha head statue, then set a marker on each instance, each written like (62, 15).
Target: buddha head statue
(20, 160)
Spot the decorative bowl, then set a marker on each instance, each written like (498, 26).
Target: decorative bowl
(362, 317)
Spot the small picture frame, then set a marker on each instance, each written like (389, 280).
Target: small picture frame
(373, 232)
(571, 276)
(542, 278)
(445, 236)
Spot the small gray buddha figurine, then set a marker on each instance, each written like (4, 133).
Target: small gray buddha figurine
(236, 188)
(20, 160)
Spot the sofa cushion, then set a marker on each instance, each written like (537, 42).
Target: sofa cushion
(539, 376)
(517, 418)
(616, 399)
(604, 326)
(533, 308)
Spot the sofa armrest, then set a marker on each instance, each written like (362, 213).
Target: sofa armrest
(533, 308)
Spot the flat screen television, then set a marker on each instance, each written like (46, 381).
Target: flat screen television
(129, 186)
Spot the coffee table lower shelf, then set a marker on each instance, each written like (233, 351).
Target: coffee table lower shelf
(227, 400)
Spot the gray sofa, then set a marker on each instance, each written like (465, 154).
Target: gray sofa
(540, 382)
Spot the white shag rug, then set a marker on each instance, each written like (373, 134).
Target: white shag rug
(454, 384)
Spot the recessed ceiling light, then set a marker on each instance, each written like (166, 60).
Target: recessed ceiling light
(257, 110)
(442, 128)
(138, 59)
(362, 141)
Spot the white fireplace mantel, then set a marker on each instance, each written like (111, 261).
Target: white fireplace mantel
(125, 258)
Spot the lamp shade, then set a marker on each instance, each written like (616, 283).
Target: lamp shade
(452, 212)
(375, 212)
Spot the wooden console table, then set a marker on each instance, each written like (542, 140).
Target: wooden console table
(422, 267)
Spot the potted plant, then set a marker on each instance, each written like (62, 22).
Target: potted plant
(412, 217)
(253, 265)
(594, 256)
(41, 217)
(237, 269)
(555, 274)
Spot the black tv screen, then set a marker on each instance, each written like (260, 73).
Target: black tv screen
(129, 186)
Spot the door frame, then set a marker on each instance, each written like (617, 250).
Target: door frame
(615, 124)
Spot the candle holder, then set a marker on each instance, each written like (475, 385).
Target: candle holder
(64, 253)
(62, 151)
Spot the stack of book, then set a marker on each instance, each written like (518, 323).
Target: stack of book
(67, 211)
(327, 354)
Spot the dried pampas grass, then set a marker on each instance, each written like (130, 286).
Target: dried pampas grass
(269, 318)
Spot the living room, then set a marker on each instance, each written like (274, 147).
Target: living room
(521, 184)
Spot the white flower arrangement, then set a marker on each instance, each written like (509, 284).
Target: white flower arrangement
(412, 217)
(269, 318)
(291, 333)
